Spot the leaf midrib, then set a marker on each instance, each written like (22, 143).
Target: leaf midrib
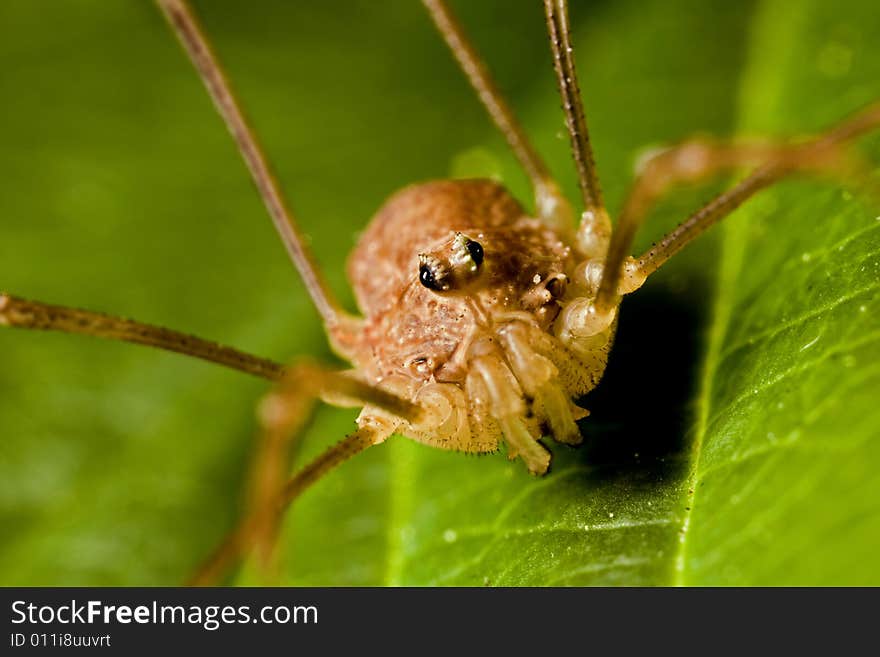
(757, 89)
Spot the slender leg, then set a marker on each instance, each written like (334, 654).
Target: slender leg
(552, 205)
(270, 494)
(21, 313)
(594, 233)
(693, 161)
(283, 414)
(190, 34)
(559, 32)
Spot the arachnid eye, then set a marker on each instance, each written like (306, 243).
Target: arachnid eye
(476, 251)
(466, 255)
(432, 274)
(453, 266)
(426, 278)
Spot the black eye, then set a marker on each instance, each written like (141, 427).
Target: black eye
(427, 278)
(476, 251)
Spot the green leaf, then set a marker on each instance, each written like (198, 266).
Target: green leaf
(729, 443)
(784, 489)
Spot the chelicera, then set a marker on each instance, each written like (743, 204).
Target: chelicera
(481, 324)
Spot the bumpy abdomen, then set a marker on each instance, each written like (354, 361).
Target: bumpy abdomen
(385, 261)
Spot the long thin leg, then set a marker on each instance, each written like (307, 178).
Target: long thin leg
(185, 25)
(559, 31)
(283, 414)
(552, 206)
(21, 313)
(271, 495)
(689, 162)
(235, 544)
(698, 160)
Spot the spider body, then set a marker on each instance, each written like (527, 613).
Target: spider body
(485, 346)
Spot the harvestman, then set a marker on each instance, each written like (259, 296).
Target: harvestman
(480, 322)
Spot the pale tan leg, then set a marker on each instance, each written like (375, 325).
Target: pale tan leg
(183, 21)
(552, 206)
(594, 231)
(283, 414)
(698, 160)
(559, 32)
(22, 313)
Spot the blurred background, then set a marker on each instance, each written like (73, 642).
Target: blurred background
(120, 191)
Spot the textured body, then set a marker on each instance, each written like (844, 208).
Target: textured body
(485, 356)
(411, 329)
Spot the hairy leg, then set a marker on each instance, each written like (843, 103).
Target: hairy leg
(185, 25)
(552, 205)
(283, 414)
(594, 232)
(828, 155)
(559, 33)
(22, 313)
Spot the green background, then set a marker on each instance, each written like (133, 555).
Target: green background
(733, 440)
